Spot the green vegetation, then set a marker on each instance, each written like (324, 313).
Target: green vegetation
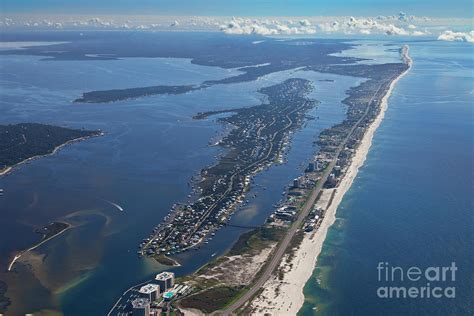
(256, 239)
(131, 93)
(26, 140)
(212, 299)
(52, 229)
(294, 244)
(211, 294)
(165, 260)
(208, 289)
(258, 137)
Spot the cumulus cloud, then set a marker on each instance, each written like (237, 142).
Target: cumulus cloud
(393, 30)
(96, 22)
(393, 25)
(363, 26)
(305, 22)
(329, 27)
(402, 17)
(267, 27)
(419, 33)
(452, 36)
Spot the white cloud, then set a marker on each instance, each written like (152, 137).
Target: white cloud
(393, 25)
(305, 22)
(418, 33)
(457, 36)
(329, 27)
(267, 27)
(364, 26)
(393, 30)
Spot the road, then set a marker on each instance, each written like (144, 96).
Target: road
(283, 245)
(239, 172)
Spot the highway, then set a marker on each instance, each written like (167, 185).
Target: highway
(283, 245)
(242, 171)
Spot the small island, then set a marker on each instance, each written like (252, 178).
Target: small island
(47, 233)
(106, 96)
(25, 141)
(51, 230)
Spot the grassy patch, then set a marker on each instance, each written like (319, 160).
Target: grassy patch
(165, 260)
(202, 270)
(256, 239)
(294, 245)
(212, 299)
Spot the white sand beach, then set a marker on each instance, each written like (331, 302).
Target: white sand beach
(285, 297)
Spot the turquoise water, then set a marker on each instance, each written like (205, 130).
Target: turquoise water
(412, 202)
(418, 216)
(150, 151)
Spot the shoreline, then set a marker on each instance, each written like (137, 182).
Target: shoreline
(286, 297)
(9, 169)
(22, 252)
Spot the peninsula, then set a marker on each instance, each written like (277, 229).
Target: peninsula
(265, 271)
(251, 61)
(47, 233)
(23, 142)
(256, 140)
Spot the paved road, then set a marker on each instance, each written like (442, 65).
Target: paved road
(281, 248)
(231, 182)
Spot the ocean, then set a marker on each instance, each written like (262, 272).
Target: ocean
(411, 205)
(150, 151)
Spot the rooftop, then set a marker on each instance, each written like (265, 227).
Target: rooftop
(149, 288)
(140, 303)
(164, 275)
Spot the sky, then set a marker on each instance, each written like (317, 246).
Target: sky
(449, 20)
(432, 8)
